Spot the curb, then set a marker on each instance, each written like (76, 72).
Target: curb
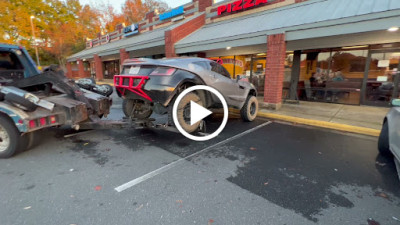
(101, 82)
(323, 124)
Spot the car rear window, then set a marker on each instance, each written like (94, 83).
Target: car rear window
(140, 70)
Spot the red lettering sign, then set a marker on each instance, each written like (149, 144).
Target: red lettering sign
(239, 5)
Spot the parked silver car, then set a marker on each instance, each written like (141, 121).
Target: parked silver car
(389, 139)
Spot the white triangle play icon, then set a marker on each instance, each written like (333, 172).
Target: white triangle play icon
(197, 112)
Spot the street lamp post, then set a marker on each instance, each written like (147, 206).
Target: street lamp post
(34, 40)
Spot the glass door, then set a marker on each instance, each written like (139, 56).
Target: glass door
(381, 81)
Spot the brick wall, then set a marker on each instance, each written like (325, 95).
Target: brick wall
(178, 33)
(81, 69)
(69, 70)
(275, 69)
(98, 65)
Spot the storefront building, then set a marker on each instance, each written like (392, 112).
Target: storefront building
(317, 50)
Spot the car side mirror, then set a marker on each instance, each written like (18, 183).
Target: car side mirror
(396, 102)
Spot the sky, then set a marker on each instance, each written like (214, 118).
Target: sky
(118, 3)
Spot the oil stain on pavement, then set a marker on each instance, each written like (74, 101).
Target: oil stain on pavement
(90, 149)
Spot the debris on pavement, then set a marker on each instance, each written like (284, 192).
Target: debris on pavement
(372, 222)
(29, 207)
(395, 218)
(382, 195)
(138, 208)
(98, 188)
(253, 149)
(210, 221)
(71, 170)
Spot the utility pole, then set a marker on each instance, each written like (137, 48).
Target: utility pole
(34, 40)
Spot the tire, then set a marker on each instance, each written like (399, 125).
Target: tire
(184, 121)
(109, 88)
(383, 142)
(144, 108)
(11, 141)
(250, 109)
(20, 102)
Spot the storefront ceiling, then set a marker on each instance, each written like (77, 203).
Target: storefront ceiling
(302, 18)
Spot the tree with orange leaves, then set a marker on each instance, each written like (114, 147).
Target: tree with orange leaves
(135, 10)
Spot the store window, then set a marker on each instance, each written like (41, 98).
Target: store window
(111, 68)
(332, 75)
(383, 78)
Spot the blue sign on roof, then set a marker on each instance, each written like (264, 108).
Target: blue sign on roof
(175, 12)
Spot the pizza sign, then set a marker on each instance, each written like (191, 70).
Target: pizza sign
(240, 5)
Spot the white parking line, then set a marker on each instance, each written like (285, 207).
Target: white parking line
(175, 163)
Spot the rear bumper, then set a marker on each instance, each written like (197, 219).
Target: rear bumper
(156, 89)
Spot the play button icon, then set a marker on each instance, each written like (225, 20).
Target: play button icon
(189, 111)
(197, 112)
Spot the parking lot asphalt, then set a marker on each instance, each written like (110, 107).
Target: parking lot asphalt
(253, 173)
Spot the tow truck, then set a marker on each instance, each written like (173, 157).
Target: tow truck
(31, 100)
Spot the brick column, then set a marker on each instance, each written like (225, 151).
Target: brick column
(178, 33)
(149, 17)
(98, 67)
(275, 69)
(123, 55)
(69, 70)
(81, 69)
(203, 4)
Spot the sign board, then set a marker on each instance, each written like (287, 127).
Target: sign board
(131, 30)
(175, 12)
(383, 63)
(240, 5)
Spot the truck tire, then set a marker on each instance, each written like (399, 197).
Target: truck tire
(184, 114)
(20, 102)
(250, 109)
(383, 141)
(143, 109)
(11, 141)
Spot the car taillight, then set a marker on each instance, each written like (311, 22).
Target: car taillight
(163, 71)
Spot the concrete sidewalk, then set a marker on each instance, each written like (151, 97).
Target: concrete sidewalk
(358, 119)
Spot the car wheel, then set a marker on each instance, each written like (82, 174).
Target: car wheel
(109, 89)
(20, 102)
(136, 108)
(383, 142)
(250, 109)
(11, 141)
(183, 113)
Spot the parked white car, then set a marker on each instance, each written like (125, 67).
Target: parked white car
(389, 139)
